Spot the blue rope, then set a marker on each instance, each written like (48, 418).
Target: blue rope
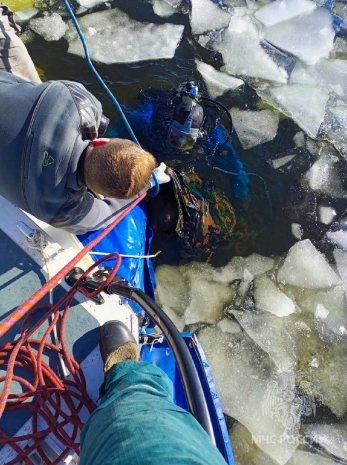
(95, 72)
(267, 194)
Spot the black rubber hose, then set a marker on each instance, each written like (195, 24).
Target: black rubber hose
(190, 379)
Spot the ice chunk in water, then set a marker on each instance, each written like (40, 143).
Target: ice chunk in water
(245, 450)
(113, 37)
(235, 269)
(247, 57)
(253, 392)
(329, 308)
(304, 104)
(207, 300)
(21, 16)
(216, 82)
(282, 10)
(332, 438)
(50, 27)
(334, 74)
(296, 230)
(324, 176)
(172, 288)
(323, 379)
(338, 237)
(229, 326)
(326, 214)
(304, 266)
(254, 127)
(309, 37)
(335, 125)
(90, 3)
(276, 336)
(270, 299)
(307, 458)
(340, 257)
(163, 9)
(206, 16)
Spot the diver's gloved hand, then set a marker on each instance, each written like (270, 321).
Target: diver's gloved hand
(159, 176)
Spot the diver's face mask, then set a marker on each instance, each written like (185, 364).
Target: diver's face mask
(186, 122)
(180, 139)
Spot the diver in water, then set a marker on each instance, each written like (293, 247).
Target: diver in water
(189, 129)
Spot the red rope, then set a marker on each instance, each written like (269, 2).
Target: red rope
(55, 404)
(21, 311)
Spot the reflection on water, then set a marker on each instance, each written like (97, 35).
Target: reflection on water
(270, 305)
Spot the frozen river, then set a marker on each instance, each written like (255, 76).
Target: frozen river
(270, 305)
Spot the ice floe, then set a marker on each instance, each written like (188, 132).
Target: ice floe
(306, 267)
(255, 264)
(309, 37)
(276, 336)
(270, 299)
(254, 127)
(217, 82)
(207, 15)
(253, 392)
(304, 104)
(247, 57)
(326, 214)
(331, 437)
(113, 37)
(163, 9)
(50, 27)
(282, 10)
(338, 237)
(325, 176)
(329, 309)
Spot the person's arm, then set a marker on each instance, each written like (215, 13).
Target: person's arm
(100, 213)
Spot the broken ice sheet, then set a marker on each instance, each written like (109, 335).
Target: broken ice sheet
(113, 37)
(206, 15)
(331, 438)
(253, 392)
(338, 237)
(329, 309)
(247, 57)
(307, 458)
(276, 336)
(282, 10)
(326, 214)
(216, 82)
(304, 266)
(50, 27)
(163, 9)
(325, 176)
(255, 264)
(340, 257)
(302, 103)
(254, 127)
(172, 288)
(90, 3)
(269, 298)
(207, 300)
(323, 379)
(335, 125)
(310, 37)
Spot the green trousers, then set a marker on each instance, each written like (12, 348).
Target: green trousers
(137, 423)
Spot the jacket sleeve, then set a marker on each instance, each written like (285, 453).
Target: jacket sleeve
(100, 214)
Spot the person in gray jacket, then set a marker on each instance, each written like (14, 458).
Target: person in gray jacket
(52, 164)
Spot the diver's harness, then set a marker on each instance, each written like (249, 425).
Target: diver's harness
(189, 93)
